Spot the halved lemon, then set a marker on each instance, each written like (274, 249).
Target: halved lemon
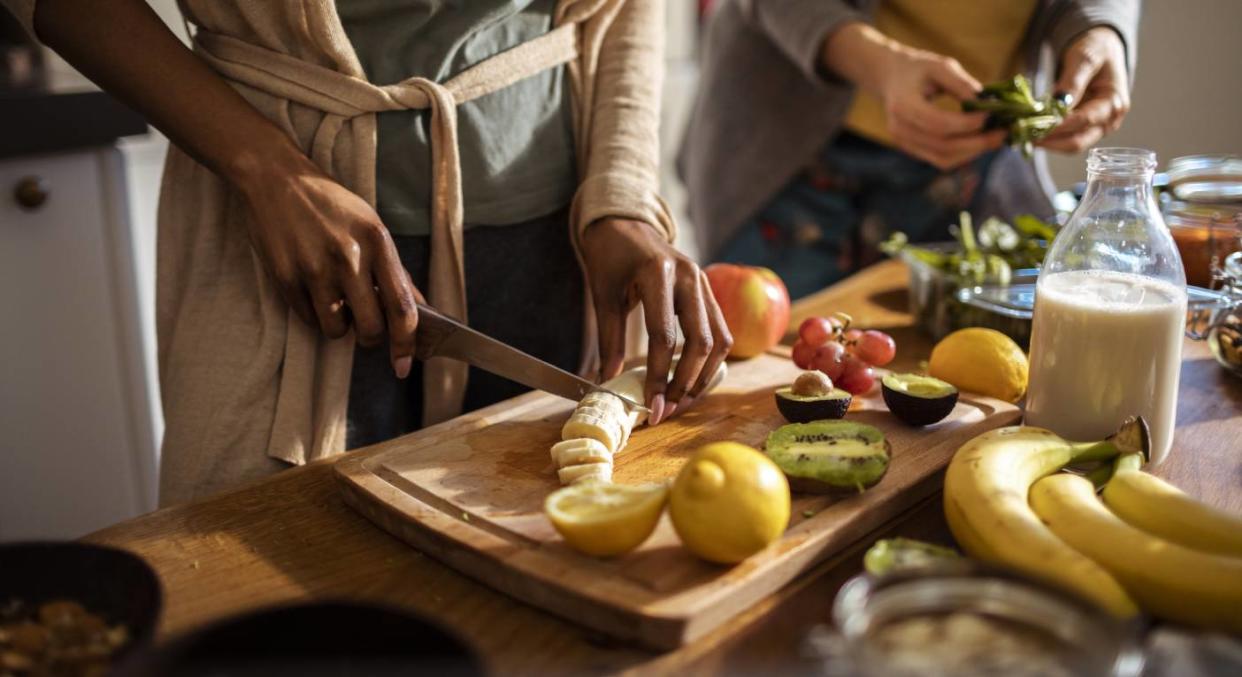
(604, 519)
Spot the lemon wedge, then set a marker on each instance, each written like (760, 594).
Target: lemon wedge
(603, 519)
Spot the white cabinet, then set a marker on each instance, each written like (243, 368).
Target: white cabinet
(77, 440)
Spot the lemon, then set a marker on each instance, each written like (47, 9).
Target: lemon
(982, 361)
(728, 502)
(604, 519)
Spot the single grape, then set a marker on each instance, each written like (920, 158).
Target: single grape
(850, 339)
(857, 377)
(876, 348)
(815, 331)
(828, 359)
(803, 354)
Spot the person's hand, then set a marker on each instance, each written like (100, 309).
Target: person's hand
(332, 259)
(629, 262)
(1094, 78)
(908, 81)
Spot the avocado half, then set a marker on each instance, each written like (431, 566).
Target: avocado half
(806, 408)
(918, 399)
(826, 457)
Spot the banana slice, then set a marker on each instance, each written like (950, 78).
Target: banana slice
(608, 430)
(579, 451)
(587, 472)
(600, 427)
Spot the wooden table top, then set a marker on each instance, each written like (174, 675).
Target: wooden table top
(292, 538)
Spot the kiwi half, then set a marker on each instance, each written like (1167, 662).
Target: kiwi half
(918, 399)
(806, 408)
(829, 456)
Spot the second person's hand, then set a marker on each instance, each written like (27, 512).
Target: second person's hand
(629, 262)
(331, 257)
(908, 81)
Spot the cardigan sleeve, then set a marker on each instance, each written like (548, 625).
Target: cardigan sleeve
(1075, 17)
(622, 166)
(798, 27)
(24, 11)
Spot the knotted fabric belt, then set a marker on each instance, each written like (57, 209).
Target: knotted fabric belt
(341, 97)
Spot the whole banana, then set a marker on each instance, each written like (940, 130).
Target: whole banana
(1169, 580)
(985, 500)
(1161, 509)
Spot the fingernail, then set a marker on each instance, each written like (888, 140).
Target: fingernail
(670, 409)
(657, 409)
(402, 366)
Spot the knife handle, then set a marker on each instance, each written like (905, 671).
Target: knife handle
(433, 329)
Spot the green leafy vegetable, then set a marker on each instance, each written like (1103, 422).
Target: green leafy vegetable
(987, 254)
(1011, 105)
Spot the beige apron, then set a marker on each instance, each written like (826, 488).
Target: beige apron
(342, 97)
(243, 379)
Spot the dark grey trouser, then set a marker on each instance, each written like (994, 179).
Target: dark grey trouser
(523, 287)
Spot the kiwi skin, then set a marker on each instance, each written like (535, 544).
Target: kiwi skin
(829, 472)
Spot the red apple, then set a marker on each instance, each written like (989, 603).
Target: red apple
(755, 305)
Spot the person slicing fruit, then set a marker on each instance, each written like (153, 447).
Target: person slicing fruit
(332, 159)
(823, 126)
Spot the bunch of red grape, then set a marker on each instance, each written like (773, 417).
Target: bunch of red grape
(844, 355)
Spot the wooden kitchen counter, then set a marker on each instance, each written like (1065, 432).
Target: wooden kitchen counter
(292, 538)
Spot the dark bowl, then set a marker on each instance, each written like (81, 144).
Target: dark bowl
(111, 583)
(322, 638)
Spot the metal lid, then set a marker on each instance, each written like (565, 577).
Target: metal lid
(1206, 178)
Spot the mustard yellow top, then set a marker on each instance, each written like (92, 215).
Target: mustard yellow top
(985, 36)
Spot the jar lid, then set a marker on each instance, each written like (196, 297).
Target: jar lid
(1206, 178)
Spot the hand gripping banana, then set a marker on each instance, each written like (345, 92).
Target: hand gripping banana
(1169, 580)
(985, 497)
(600, 426)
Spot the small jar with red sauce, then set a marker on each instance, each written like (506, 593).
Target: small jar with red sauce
(1205, 214)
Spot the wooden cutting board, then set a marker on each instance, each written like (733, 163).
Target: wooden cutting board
(470, 493)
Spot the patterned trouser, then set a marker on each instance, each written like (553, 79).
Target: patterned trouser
(829, 220)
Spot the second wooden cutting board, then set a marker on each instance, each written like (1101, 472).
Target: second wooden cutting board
(470, 492)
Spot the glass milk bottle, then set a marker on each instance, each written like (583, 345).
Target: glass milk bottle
(1110, 309)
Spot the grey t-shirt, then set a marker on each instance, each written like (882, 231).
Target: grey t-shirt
(516, 144)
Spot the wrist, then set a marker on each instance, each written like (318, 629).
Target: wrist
(259, 166)
(861, 55)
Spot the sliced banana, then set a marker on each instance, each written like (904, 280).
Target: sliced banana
(587, 472)
(608, 430)
(579, 451)
(600, 427)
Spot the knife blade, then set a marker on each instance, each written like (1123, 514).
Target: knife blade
(441, 336)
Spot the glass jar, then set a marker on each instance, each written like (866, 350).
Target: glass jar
(1110, 310)
(1204, 234)
(963, 618)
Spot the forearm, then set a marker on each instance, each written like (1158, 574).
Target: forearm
(128, 51)
(622, 174)
(859, 54)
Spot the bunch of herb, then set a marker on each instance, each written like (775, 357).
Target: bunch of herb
(985, 255)
(1011, 105)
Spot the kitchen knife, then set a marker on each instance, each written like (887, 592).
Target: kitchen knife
(441, 336)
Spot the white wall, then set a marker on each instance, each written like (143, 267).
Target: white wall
(1187, 97)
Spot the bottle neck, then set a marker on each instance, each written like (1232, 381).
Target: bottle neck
(1130, 187)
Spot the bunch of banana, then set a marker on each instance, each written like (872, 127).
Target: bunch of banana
(1146, 544)
(600, 426)
(1168, 578)
(985, 504)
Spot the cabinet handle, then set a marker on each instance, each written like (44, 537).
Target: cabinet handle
(31, 192)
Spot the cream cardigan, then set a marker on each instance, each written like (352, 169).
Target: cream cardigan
(242, 377)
